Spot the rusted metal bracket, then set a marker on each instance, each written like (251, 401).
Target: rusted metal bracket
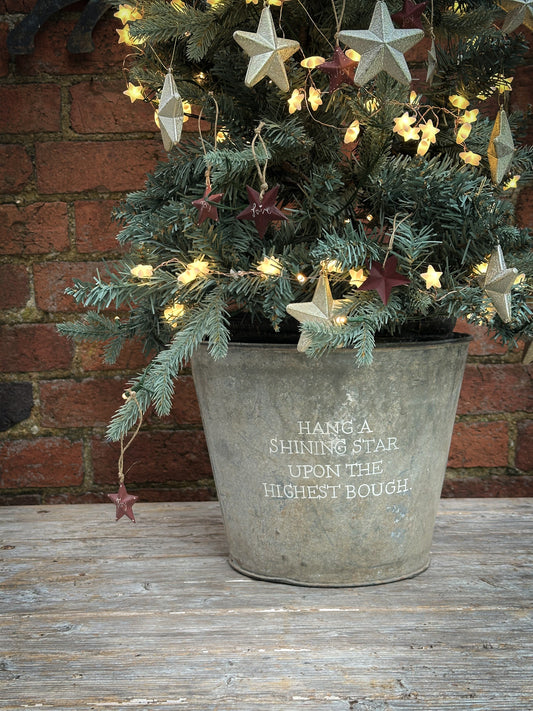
(21, 39)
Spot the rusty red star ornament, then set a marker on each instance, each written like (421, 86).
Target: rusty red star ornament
(124, 502)
(410, 16)
(262, 210)
(339, 68)
(206, 207)
(383, 277)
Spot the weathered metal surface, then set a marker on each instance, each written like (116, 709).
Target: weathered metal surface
(21, 39)
(328, 474)
(101, 615)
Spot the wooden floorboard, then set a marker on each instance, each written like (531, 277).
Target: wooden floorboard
(98, 614)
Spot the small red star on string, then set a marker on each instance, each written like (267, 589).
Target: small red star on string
(124, 502)
(410, 16)
(206, 208)
(383, 278)
(340, 69)
(262, 209)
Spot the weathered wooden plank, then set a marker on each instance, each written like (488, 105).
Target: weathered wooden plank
(99, 615)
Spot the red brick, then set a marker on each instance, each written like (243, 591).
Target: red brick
(4, 56)
(524, 207)
(16, 168)
(524, 446)
(44, 461)
(192, 493)
(496, 388)
(16, 6)
(86, 403)
(14, 286)
(20, 499)
(101, 107)
(51, 56)
(485, 487)
(185, 408)
(34, 347)
(52, 278)
(40, 228)
(30, 108)
(479, 444)
(88, 165)
(419, 53)
(96, 231)
(481, 344)
(155, 457)
(91, 357)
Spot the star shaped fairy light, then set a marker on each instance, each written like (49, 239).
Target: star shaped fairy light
(262, 209)
(319, 310)
(124, 502)
(136, 93)
(520, 12)
(339, 68)
(267, 52)
(432, 278)
(170, 113)
(497, 283)
(381, 47)
(205, 206)
(383, 278)
(501, 149)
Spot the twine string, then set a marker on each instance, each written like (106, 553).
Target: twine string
(128, 396)
(260, 171)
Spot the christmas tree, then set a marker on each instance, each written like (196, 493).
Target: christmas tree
(324, 189)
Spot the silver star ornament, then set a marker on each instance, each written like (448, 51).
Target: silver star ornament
(170, 112)
(497, 283)
(520, 12)
(267, 52)
(432, 63)
(381, 47)
(320, 309)
(500, 151)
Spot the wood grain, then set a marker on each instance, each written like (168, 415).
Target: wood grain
(98, 614)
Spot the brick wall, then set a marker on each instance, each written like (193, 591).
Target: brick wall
(72, 145)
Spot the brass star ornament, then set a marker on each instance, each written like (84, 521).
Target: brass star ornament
(381, 47)
(520, 12)
(497, 283)
(501, 149)
(268, 52)
(320, 309)
(170, 112)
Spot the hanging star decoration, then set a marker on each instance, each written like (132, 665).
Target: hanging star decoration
(268, 52)
(339, 68)
(501, 149)
(206, 208)
(381, 47)
(497, 283)
(520, 12)
(382, 278)
(410, 16)
(262, 209)
(432, 63)
(124, 502)
(319, 310)
(170, 112)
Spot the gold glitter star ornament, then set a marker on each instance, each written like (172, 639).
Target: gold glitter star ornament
(170, 112)
(320, 309)
(500, 151)
(268, 52)
(381, 47)
(520, 12)
(497, 283)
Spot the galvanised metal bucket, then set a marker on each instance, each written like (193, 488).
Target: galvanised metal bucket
(329, 474)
